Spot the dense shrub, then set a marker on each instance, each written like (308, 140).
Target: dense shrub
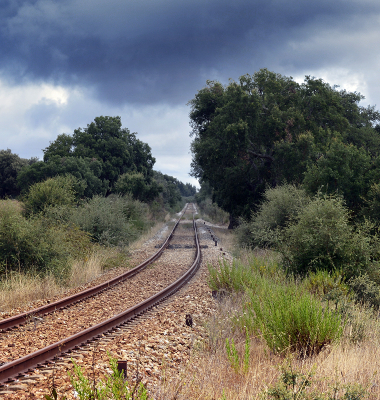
(322, 238)
(366, 291)
(36, 245)
(58, 191)
(212, 212)
(290, 319)
(112, 220)
(280, 205)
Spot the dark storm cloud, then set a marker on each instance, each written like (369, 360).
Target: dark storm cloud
(163, 50)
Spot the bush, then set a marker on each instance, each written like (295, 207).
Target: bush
(290, 320)
(58, 191)
(112, 220)
(282, 312)
(36, 245)
(366, 291)
(322, 238)
(280, 205)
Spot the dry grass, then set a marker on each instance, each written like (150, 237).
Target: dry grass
(86, 270)
(19, 289)
(150, 233)
(210, 376)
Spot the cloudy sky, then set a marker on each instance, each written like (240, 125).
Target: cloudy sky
(65, 62)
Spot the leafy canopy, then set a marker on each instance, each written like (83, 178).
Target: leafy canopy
(116, 148)
(266, 129)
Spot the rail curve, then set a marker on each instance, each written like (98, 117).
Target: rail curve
(20, 319)
(17, 368)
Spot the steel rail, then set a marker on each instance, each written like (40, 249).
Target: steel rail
(18, 368)
(21, 319)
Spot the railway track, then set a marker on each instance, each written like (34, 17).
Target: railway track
(21, 319)
(14, 368)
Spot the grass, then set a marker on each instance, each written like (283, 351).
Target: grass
(221, 369)
(210, 375)
(19, 289)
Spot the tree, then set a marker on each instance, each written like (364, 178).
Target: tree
(10, 165)
(118, 150)
(343, 169)
(136, 185)
(266, 129)
(170, 192)
(186, 189)
(87, 171)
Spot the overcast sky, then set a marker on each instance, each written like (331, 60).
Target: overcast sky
(65, 62)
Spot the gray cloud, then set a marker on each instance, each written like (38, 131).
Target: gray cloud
(143, 60)
(158, 50)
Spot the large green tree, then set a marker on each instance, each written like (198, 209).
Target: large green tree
(266, 129)
(104, 139)
(87, 171)
(10, 166)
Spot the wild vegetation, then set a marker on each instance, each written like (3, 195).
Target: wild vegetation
(296, 166)
(94, 193)
(267, 128)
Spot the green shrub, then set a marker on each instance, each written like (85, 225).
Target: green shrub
(290, 320)
(287, 316)
(36, 245)
(366, 291)
(280, 205)
(322, 282)
(241, 276)
(58, 191)
(112, 220)
(322, 238)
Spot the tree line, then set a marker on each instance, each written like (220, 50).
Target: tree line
(267, 129)
(103, 158)
(297, 166)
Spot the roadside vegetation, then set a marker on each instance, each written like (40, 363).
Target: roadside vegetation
(296, 167)
(67, 219)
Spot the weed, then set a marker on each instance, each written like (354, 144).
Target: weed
(113, 387)
(293, 385)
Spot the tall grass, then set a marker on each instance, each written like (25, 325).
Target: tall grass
(19, 289)
(344, 369)
(280, 311)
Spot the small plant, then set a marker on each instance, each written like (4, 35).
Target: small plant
(233, 355)
(114, 387)
(54, 395)
(293, 385)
